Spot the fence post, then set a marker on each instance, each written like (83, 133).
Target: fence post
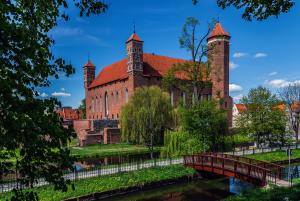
(170, 161)
(253, 151)
(76, 174)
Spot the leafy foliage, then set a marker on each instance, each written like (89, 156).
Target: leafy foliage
(113, 182)
(145, 117)
(257, 9)
(290, 95)
(195, 71)
(203, 128)
(268, 194)
(30, 131)
(178, 143)
(263, 119)
(82, 107)
(207, 123)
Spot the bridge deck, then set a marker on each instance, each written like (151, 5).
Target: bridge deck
(254, 171)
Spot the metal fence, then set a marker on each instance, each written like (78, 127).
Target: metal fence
(9, 181)
(261, 150)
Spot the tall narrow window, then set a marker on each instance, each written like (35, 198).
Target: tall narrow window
(112, 98)
(106, 104)
(100, 104)
(96, 104)
(126, 95)
(93, 106)
(117, 97)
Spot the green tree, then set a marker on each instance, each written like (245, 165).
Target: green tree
(207, 123)
(257, 9)
(31, 133)
(145, 117)
(195, 71)
(82, 107)
(263, 119)
(290, 95)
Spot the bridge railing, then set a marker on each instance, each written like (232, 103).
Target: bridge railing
(278, 169)
(238, 166)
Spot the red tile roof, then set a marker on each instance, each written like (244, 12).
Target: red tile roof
(218, 31)
(241, 107)
(154, 65)
(135, 37)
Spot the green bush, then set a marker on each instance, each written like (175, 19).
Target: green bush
(178, 143)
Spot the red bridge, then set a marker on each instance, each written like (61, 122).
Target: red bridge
(246, 169)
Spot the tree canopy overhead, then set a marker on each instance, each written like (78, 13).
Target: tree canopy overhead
(257, 9)
(31, 133)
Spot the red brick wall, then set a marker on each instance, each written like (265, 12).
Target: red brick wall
(111, 135)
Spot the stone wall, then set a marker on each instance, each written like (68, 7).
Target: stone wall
(111, 135)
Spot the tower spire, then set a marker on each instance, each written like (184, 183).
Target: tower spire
(133, 26)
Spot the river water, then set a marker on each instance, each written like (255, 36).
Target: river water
(200, 190)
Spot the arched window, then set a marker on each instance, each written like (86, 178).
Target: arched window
(126, 95)
(100, 104)
(117, 97)
(96, 104)
(106, 104)
(93, 106)
(112, 98)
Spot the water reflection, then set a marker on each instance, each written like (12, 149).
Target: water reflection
(112, 160)
(200, 190)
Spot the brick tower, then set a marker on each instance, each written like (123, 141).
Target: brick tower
(134, 47)
(88, 77)
(218, 42)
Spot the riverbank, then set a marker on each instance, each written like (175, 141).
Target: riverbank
(269, 194)
(121, 181)
(105, 150)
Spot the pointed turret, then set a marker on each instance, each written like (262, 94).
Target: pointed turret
(217, 32)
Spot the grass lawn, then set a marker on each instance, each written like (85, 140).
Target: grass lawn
(102, 150)
(274, 156)
(106, 183)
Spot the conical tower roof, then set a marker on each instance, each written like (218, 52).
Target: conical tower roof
(218, 31)
(134, 37)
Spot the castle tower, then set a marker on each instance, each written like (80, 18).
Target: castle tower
(218, 55)
(88, 74)
(134, 48)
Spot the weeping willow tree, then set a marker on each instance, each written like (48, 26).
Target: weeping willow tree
(146, 116)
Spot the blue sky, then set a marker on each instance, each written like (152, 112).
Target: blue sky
(262, 53)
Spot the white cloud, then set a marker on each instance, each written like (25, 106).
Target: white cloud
(260, 55)
(238, 97)
(233, 65)
(43, 94)
(62, 94)
(282, 83)
(239, 54)
(235, 88)
(273, 73)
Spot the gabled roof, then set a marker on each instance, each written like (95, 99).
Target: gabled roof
(218, 31)
(135, 37)
(154, 66)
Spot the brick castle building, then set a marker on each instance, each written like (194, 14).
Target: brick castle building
(111, 89)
